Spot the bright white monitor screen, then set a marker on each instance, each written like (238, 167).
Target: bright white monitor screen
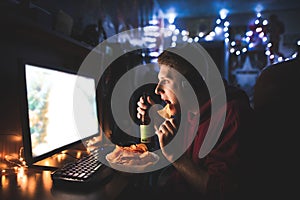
(62, 108)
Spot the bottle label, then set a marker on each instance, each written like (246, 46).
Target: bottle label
(146, 132)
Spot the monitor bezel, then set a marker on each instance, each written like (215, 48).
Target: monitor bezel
(28, 156)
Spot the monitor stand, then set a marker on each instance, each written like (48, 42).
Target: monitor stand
(60, 159)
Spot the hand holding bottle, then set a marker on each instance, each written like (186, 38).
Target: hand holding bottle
(144, 103)
(145, 128)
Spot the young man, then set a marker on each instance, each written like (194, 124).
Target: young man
(216, 174)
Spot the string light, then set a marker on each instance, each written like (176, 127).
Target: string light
(257, 31)
(15, 164)
(221, 27)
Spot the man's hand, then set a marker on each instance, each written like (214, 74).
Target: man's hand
(166, 132)
(143, 106)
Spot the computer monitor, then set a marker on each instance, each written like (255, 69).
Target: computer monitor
(59, 110)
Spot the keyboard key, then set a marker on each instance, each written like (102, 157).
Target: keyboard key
(82, 170)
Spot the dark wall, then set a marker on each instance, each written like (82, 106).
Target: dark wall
(131, 12)
(216, 51)
(22, 40)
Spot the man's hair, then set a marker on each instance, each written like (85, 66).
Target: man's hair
(175, 61)
(171, 59)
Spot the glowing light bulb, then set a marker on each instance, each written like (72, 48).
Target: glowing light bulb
(201, 34)
(226, 24)
(265, 22)
(258, 15)
(223, 13)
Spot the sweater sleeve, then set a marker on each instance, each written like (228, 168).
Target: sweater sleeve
(223, 161)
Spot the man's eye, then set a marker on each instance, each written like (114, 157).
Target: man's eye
(163, 82)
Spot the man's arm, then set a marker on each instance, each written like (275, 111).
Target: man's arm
(195, 176)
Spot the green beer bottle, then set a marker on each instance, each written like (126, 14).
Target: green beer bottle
(145, 128)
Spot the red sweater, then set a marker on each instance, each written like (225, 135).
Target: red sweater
(223, 161)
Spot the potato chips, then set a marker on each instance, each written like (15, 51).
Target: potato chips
(133, 155)
(165, 112)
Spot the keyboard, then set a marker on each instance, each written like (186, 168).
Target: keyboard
(82, 170)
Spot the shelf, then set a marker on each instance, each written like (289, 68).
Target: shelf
(16, 22)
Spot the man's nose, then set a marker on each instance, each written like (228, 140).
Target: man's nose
(158, 89)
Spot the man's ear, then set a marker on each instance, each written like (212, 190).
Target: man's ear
(183, 84)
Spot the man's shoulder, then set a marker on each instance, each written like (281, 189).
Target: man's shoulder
(234, 93)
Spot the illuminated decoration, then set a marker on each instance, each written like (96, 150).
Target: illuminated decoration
(219, 31)
(14, 164)
(255, 39)
(171, 17)
(223, 13)
(258, 10)
(246, 75)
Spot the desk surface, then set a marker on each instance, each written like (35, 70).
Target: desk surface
(36, 184)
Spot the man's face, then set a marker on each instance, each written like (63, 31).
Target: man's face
(168, 87)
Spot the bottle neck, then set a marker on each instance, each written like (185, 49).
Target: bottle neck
(145, 119)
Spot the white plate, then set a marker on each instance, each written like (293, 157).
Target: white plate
(133, 168)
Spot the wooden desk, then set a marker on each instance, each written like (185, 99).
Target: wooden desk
(37, 184)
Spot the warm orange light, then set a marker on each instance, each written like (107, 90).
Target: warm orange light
(59, 157)
(47, 180)
(22, 179)
(17, 138)
(78, 155)
(31, 185)
(21, 172)
(47, 163)
(4, 182)
(16, 169)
